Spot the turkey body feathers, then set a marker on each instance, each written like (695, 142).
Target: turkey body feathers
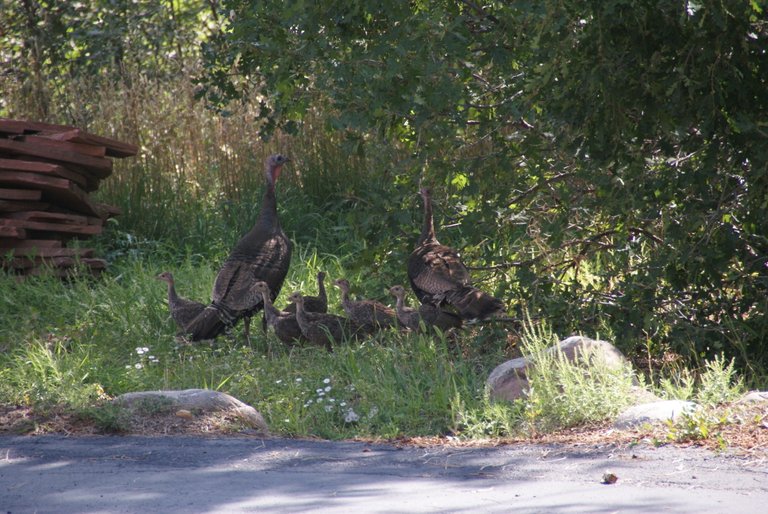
(262, 254)
(438, 276)
(183, 311)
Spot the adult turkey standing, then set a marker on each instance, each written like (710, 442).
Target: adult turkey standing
(262, 254)
(439, 277)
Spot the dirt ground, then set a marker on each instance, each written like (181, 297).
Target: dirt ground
(741, 429)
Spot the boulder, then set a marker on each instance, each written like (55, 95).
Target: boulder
(509, 381)
(754, 397)
(654, 412)
(192, 401)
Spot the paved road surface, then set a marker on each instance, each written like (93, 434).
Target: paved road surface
(53, 474)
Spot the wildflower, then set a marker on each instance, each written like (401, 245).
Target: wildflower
(351, 417)
(298, 379)
(328, 408)
(278, 381)
(327, 381)
(141, 350)
(138, 365)
(328, 389)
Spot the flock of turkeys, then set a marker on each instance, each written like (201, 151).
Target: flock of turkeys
(251, 277)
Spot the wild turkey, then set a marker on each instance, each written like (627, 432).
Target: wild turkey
(369, 314)
(322, 329)
(264, 253)
(439, 278)
(317, 303)
(284, 324)
(429, 315)
(183, 311)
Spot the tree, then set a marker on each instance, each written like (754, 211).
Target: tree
(618, 147)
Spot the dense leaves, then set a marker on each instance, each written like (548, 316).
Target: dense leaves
(620, 147)
(604, 163)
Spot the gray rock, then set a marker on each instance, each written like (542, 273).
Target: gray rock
(199, 400)
(654, 412)
(509, 381)
(754, 397)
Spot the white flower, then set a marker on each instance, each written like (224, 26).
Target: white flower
(328, 408)
(328, 389)
(351, 417)
(343, 404)
(138, 365)
(278, 381)
(327, 381)
(141, 350)
(298, 379)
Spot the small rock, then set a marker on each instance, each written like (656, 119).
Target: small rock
(754, 397)
(184, 413)
(665, 410)
(609, 478)
(509, 381)
(190, 400)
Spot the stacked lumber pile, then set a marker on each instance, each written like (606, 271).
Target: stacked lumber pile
(46, 174)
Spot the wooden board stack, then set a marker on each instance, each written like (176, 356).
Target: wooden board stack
(46, 174)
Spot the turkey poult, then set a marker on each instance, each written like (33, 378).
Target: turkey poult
(283, 323)
(317, 303)
(319, 328)
(183, 311)
(262, 254)
(369, 314)
(430, 315)
(439, 278)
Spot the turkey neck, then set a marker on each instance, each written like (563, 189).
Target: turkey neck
(266, 225)
(172, 296)
(428, 227)
(268, 214)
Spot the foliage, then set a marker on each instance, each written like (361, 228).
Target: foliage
(636, 132)
(565, 393)
(601, 165)
(79, 349)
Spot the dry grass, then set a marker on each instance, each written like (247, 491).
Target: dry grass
(745, 433)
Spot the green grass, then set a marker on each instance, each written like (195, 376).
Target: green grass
(73, 345)
(86, 340)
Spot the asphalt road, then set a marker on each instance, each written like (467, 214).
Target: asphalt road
(53, 474)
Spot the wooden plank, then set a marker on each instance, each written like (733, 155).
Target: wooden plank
(20, 194)
(56, 190)
(15, 206)
(54, 217)
(29, 243)
(113, 147)
(52, 141)
(28, 263)
(46, 168)
(99, 167)
(8, 231)
(88, 230)
(50, 252)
